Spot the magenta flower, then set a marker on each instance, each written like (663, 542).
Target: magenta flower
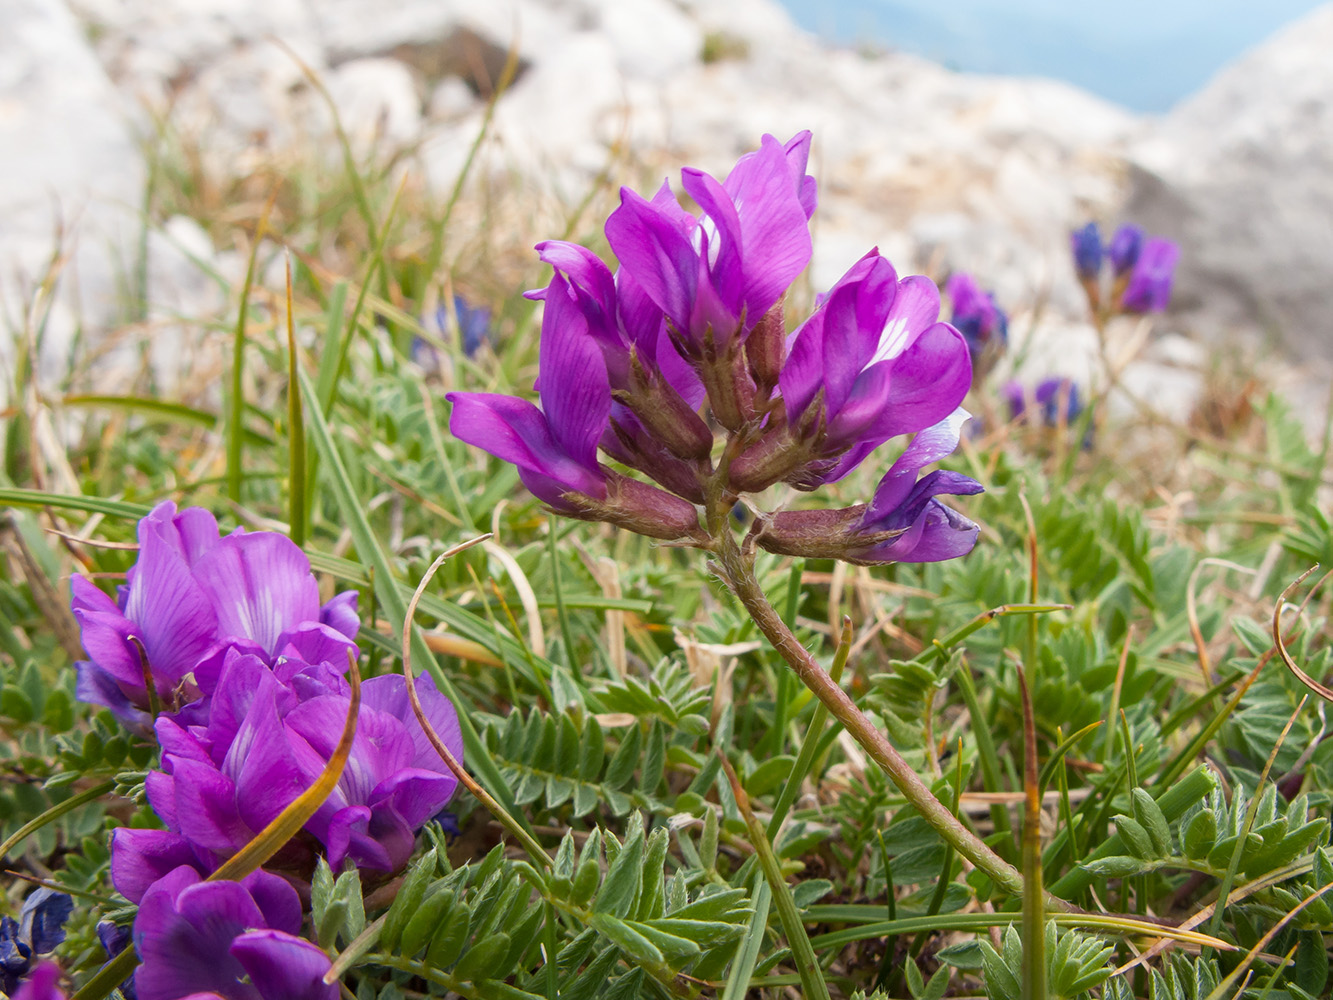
(1149, 285)
(228, 940)
(188, 598)
(872, 362)
(715, 276)
(269, 735)
(904, 522)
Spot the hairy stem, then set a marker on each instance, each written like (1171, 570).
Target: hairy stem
(738, 570)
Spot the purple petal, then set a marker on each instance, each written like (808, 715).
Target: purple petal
(726, 267)
(798, 155)
(655, 249)
(938, 533)
(97, 687)
(346, 834)
(189, 950)
(930, 445)
(263, 761)
(380, 747)
(340, 613)
(261, 585)
(416, 794)
(575, 392)
(388, 694)
(916, 307)
(40, 984)
(1149, 287)
(314, 642)
(206, 807)
(514, 430)
(284, 967)
(277, 900)
(775, 230)
(140, 858)
(929, 382)
(172, 614)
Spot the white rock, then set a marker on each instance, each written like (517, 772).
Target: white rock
(378, 103)
(71, 179)
(450, 100)
(1239, 174)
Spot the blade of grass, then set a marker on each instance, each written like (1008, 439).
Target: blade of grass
(54, 813)
(810, 744)
(1233, 865)
(747, 952)
(803, 954)
(1034, 910)
(160, 409)
(940, 647)
(296, 495)
(235, 396)
(990, 760)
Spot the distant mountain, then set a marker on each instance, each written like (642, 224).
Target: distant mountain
(1144, 54)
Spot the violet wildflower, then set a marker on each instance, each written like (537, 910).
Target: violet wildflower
(268, 738)
(1124, 249)
(693, 318)
(981, 322)
(1149, 286)
(232, 940)
(1086, 244)
(904, 522)
(474, 325)
(189, 597)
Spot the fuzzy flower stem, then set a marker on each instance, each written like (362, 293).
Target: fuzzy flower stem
(738, 573)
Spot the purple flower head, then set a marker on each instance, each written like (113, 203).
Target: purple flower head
(904, 522)
(189, 597)
(269, 735)
(977, 317)
(1086, 244)
(41, 984)
(232, 940)
(714, 276)
(1125, 247)
(1149, 286)
(872, 362)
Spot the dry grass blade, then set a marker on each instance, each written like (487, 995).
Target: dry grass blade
(1281, 647)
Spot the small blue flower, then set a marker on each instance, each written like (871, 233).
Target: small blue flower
(1125, 247)
(1086, 244)
(474, 325)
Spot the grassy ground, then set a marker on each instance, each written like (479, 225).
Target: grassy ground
(608, 678)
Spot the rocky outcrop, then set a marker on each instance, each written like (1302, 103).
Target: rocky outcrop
(1240, 175)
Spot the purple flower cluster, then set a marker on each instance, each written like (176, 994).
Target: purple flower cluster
(1142, 267)
(247, 670)
(694, 315)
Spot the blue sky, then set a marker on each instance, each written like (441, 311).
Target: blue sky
(1145, 54)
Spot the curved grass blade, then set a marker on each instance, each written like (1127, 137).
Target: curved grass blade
(1058, 754)
(1281, 647)
(940, 647)
(54, 813)
(235, 396)
(519, 832)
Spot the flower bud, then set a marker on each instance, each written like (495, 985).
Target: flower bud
(664, 414)
(765, 350)
(1086, 244)
(640, 508)
(731, 391)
